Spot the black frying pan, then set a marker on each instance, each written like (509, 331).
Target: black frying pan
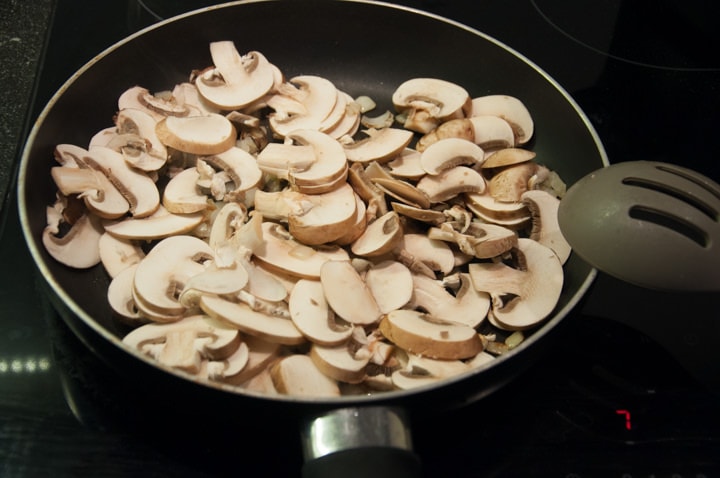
(364, 48)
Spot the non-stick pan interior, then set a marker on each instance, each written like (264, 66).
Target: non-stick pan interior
(364, 48)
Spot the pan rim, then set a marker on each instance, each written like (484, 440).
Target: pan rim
(75, 309)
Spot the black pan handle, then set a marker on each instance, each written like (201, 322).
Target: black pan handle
(360, 442)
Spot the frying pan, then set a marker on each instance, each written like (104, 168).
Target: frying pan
(366, 48)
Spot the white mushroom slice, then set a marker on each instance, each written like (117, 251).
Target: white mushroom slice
(433, 253)
(467, 306)
(339, 363)
(160, 224)
(380, 236)
(367, 190)
(163, 273)
(133, 98)
(226, 369)
(262, 284)
(390, 283)
(78, 247)
(96, 190)
(297, 375)
(137, 186)
(187, 95)
(509, 183)
(306, 106)
(406, 165)
(422, 371)
(229, 220)
(240, 315)
(545, 228)
(279, 159)
(118, 254)
(237, 80)
(240, 166)
(281, 252)
(147, 154)
(483, 241)
(260, 354)
(450, 152)
(182, 195)
(450, 183)
(380, 145)
(403, 191)
(488, 132)
(507, 157)
(430, 216)
(509, 108)
(420, 334)
(313, 219)
(330, 163)
(120, 297)
(312, 315)
(355, 230)
(349, 123)
(498, 212)
(358, 307)
(183, 344)
(532, 292)
(427, 102)
(213, 281)
(202, 135)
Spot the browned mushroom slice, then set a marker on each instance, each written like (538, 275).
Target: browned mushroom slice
(509, 108)
(358, 307)
(186, 343)
(467, 306)
(237, 80)
(390, 283)
(521, 297)
(202, 135)
(421, 334)
(281, 252)
(240, 315)
(380, 236)
(427, 102)
(450, 183)
(509, 183)
(546, 230)
(339, 362)
(312, 315)
(380, 145)
(297, 375)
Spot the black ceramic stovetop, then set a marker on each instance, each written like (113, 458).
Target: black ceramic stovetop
(630, 386)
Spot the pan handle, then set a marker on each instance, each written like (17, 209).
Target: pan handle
(359, 442)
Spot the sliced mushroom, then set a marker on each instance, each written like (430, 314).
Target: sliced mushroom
(488, 132)
(79, 246)
(406, 165)
(483, 241)
(467, 306)
(120, 297)
(420, 334)
(513, 215)
(240, 166)
(297, 375)
(186, 343)
(145, 151)
(509, 183)
(240, 315)
(360, 307)
(163, 273)
(349, 123)
(96, 190)
(509, 108)
(433, 253)
(237, 80)
(545, 228)
(261, 354)
(309, 105)
(450, 152)
(422, 371)
(403, 191)
(430, 216)
(507, 157)
(450, 183)
(427, 102)
(281, 252)
(339, 363)
(380, 236)
(312, 315)
(202, 135)
(390, 283)
(182, 195)
(522, 296)
(379, 145)
(118, 254)
(160, 224)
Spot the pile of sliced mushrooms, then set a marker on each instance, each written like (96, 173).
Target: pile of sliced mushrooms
(280, 236)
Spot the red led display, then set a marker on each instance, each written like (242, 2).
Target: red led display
(626, 414)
